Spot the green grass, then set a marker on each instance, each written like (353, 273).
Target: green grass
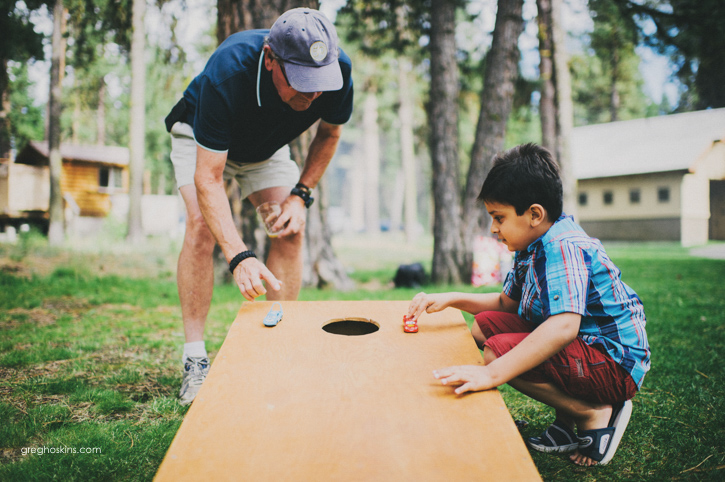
(92, 361)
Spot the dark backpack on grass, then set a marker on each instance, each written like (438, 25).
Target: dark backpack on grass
(410, 276)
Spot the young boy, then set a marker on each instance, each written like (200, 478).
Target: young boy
(566, 330)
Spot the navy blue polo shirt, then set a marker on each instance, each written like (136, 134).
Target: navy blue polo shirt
(233, 105)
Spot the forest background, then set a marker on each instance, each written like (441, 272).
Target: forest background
(440, 88)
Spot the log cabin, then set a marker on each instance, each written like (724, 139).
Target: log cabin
(90, 176)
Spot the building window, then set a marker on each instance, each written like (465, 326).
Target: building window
(663, 194)
(608, 198)
(634, 196)
(110, 179)
(583, 199)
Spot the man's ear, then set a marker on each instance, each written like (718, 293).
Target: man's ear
(267, 57)
(538, 214)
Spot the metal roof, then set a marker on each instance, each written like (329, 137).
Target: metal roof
(654, 144)
(36, 153)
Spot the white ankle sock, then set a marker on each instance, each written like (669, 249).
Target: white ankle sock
(194, 349)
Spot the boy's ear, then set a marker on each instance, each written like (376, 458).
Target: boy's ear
(538, 214)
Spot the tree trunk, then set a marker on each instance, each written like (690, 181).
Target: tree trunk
(237, 15)
(497, 98)
(4, 110)
(321, 266)
(556, 109)
(564, 110)
(138, 122)
(614, 101)
(443, 120)
(56, 229)
(395, 200)
(407, 150)
(371, 150)
(101, 115)
(357, 196)
(76, 123)
(547, 104)
(322, 269)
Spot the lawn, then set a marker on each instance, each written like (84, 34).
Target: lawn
(90, 360)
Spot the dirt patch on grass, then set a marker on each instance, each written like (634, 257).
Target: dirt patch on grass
(67, 304)
(8, 456)
(37, 316)
(17, 269)
(119, 262)
(149, 386)
(98, 369)
(145, 390)
(13, 376)
(47, 314)
(28, 265)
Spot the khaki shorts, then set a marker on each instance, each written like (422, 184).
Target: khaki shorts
(278, 170)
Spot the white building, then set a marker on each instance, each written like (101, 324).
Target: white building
(659, 178)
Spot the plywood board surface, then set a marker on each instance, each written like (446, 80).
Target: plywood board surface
(294, 402)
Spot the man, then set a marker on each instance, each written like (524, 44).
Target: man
(259, 91)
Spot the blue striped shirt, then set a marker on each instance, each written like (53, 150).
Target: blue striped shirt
(566, 271)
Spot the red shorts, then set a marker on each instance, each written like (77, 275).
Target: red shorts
(585, 372)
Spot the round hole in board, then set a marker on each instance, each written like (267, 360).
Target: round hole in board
(351, 326)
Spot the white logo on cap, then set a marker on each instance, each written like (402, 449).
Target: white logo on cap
(318, 51)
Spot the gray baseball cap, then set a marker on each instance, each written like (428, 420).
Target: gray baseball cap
(306, 41)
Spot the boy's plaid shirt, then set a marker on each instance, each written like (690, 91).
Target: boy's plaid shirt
(567, 271)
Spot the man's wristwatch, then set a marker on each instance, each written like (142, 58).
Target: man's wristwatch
(304, 192)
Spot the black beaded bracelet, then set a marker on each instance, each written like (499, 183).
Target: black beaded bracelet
(239, 258)
(303, 192)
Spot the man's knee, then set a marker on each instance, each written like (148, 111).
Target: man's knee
(198, 236)
(291, 244)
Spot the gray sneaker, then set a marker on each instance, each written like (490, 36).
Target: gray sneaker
(195, 372)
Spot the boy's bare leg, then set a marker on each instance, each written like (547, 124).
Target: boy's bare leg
(478, 335)
(195, 273)
(574, 412)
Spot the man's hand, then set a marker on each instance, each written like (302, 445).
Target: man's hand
(293, 216)
(471, 378)
(249, 275)
(428, 303)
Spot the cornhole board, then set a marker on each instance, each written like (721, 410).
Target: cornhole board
(296, 403)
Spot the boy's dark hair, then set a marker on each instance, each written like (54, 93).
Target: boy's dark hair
(522, 176)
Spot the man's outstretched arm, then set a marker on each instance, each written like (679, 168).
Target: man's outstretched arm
(214, 206)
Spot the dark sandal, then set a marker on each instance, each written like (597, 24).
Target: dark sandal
(600, 445)
(557, 438)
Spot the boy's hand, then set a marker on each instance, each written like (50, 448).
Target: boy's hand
(428, 303)
(472, 378)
